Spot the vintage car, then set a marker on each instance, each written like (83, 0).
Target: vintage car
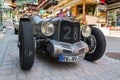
(62, 38)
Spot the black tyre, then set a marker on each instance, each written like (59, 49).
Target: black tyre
(97, 45)
(26, 48)
(16, 31)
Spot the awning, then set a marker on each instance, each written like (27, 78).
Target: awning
(13, 5)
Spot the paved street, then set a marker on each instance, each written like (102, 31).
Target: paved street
(113, 44)
(46, 68)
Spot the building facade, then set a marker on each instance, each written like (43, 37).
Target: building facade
(89, 8)
(113, 13)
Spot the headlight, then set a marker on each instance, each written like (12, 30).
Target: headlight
(47, 29)
(86, 31)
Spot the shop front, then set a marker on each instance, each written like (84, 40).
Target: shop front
(113, 13)
(78, 6)
(94, 11)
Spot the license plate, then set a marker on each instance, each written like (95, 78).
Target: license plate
(70, 58)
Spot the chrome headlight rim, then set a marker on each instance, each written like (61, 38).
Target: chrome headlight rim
(86, 31)
(46, 27)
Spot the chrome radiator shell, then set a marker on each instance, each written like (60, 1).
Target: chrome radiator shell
(56, 48)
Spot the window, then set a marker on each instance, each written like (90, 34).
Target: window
(80, 9)
(90, 9)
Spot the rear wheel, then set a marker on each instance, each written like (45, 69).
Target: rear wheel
(97, 45)
(26, 48)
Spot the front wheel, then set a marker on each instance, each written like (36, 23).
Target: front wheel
(26, 48)
(97, 45)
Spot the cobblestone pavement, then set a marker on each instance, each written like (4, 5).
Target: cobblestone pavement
(46, 68)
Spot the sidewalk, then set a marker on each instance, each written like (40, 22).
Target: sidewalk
(3, 45)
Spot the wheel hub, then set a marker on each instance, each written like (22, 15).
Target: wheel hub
(91, 41)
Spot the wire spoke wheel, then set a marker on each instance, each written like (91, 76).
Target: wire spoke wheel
(91, 41)
(97, 45)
